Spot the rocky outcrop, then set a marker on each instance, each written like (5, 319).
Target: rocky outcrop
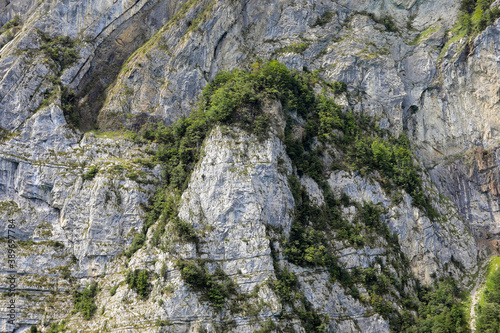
(77, 200)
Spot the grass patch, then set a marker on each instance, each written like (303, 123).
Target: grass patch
(488, 308)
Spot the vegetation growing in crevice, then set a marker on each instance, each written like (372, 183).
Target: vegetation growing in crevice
(84, 301)
(387, 21)
(5, 134)
(89, 175)
(475, 16)
(286, 286)
(56, 328)
(312, 244)
(215, 287)
(293, 48)
(10, 28)
(61, 49)
(323, 19)
(15, 22)
(138, 280)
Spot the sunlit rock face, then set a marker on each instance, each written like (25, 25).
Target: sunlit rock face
(78, 198)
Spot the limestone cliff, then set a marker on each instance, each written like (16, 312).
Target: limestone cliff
(79, 79)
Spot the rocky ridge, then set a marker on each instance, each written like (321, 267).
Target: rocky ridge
(73, 220)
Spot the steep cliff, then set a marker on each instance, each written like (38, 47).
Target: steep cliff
(207, 244)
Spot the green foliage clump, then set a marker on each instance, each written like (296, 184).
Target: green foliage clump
(323, 19)
(61, 49)
(15, 22)
(293, 48)
(307, 244)
(56, 328)
(215, 287)
(387, 21)
(337, 87)
(475, 16)
(394, 160)
(84, 301)
(185, 230)
(112, 291)
(137, 243)
(68, 102)
(488, 318)
(441, 310)
(89, 175)
(33, 329)
(286, 286)
(8, 29)
(138, 280)
(5, 134)
(236, 97)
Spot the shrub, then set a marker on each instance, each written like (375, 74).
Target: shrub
(215, 287)
(112, 291)
(84, 301)
(60, 49)
(475, 16)
(185, 230)
(138, 280)
(285, 285)
(323, 19)
(16, 21)
(56, 328)
(137, 243)
(89, 175)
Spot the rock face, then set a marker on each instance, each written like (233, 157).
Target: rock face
(77, 198)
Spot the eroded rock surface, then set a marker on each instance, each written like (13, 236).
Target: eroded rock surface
(73, 220)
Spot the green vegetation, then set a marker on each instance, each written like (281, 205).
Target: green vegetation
(293, 48)
(387, 21)
(322, 20)
(56, 328)
(6, 134)
(476, 15)
(8, 29)
(112, 291)
(287, 287)
(311, 243)
(215, 287)
(238, 98)
(33, 329)
(337, 87)
(268, 327)
(68, 102)
(138, 280)
(84, 301)
(15, 22)
(89, 175)
(441, 310)
(488, 310)
(423, 35)
(61, 49)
